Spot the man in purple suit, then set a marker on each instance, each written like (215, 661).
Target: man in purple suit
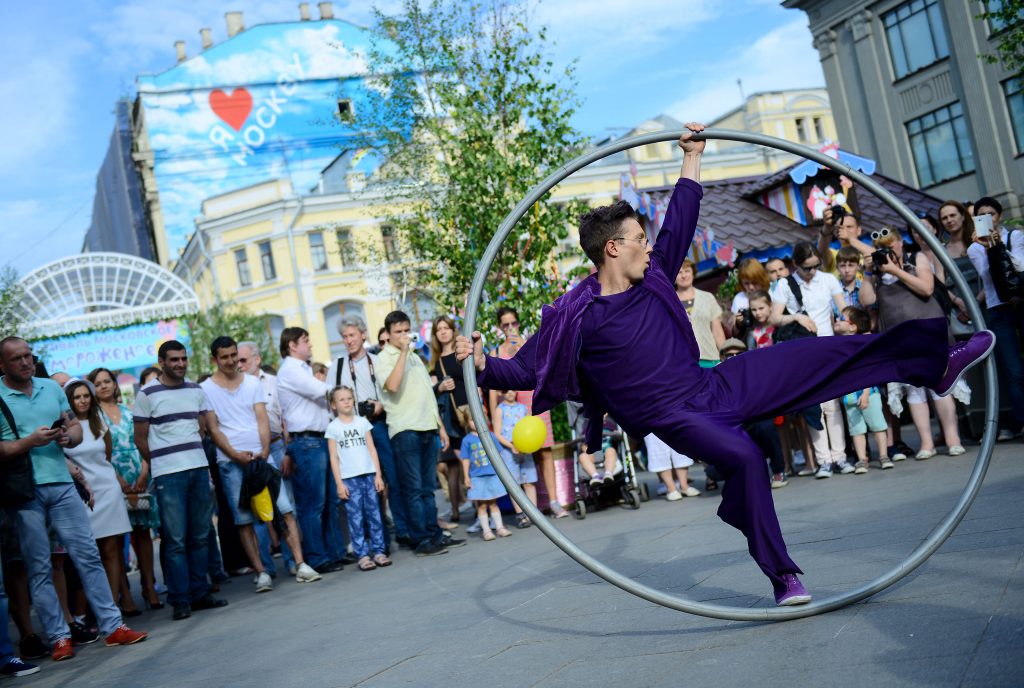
(621, 342)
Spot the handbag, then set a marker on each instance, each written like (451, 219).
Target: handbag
(460, 412)
(139, 502)
(17, 481)
(793, 330)
(1007, 280)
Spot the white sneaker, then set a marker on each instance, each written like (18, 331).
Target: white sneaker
(824, 471)
(845, 468)
(957, 450)
(691, 491)
(673, 496)
(264, 583)
(306, 574)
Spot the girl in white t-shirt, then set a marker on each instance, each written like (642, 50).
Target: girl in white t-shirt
(357, 475)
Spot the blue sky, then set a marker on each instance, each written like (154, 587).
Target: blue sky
(67, 62)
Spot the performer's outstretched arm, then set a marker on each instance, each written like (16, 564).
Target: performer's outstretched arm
(518, 372)
(680, 222)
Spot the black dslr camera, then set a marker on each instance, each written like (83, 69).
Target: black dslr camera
(881, 257)
(838, 212)
(366, 408)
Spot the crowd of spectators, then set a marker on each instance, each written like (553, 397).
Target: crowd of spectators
(337, 464)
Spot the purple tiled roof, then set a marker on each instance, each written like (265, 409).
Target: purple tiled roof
(732, 210)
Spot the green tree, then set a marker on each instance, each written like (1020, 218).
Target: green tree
(12, 320)
(232, 320)
(1006, 17)
(468, 113)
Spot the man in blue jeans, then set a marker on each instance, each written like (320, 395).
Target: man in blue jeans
(44, 425)
(358, 371)
(303, 401)
(171, 413)
(415, 428)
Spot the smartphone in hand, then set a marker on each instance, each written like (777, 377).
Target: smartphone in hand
(983, 226)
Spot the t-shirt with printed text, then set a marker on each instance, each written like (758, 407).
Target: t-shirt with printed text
(350, 439)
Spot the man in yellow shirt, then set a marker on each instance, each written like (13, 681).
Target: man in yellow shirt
(415, 427)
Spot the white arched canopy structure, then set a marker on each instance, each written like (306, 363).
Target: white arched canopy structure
(94, 291)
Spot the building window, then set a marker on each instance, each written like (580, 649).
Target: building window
(242, 263)
(387, 235)
(275, 326)
(917, 36)
(267, 261)
(1014, 90)
(345, 111)
(346, 248)
(941, 147)
(996, 23)
(801, 130)
(819, 129)
(317, 252)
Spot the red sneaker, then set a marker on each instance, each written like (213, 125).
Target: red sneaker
(62, 650)
(125, 636)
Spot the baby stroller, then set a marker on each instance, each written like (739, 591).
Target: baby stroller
(601, 490)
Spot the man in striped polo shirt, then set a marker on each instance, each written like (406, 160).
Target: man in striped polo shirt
(170, 415)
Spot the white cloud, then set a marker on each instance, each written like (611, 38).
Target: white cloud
(782, 58)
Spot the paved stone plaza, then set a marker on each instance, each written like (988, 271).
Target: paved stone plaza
(518, 612)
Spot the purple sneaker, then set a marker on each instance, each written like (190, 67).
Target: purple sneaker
(963, 357)
(791, 591)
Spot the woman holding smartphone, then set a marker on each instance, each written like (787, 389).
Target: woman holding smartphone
(1005, 319)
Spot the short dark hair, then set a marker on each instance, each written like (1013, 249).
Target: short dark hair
(855, 216)
(848, 254)
(990, 202)
(504, 310)
(148, 371)
(222, 342)
(289, 335)
(601, 225)
(859, 318)
(395, 318)
(803, 250)
(168, 347)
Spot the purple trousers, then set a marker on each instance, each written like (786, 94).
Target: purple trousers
(706, 424)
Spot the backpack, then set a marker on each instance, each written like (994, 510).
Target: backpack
(793, 330)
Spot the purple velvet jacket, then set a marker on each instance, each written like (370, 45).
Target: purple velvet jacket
(547, 363)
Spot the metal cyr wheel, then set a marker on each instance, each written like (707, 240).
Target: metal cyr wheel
(935, 538)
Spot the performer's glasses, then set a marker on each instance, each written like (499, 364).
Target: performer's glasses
(642, 240)
(883, 232)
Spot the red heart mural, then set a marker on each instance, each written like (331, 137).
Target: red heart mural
(233, 109)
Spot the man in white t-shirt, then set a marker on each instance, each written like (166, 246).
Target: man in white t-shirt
(238, 403)
(812, 297)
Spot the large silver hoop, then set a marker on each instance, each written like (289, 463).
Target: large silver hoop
(935, 538)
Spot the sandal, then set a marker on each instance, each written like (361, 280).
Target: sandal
(365, 564)
(523, 521)
(488, 535)
(503, 532)
(710, 485)
(381, 560)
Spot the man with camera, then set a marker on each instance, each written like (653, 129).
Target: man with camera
(837, 223)
(414, 426)
(358, 370)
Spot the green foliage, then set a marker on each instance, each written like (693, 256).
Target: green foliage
(11, 320)
(469, 114)
(234, 321)
(727, 289)
(1006, 17)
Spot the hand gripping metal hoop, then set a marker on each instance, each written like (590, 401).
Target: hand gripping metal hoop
(931, 543)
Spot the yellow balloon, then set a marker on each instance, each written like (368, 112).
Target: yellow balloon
(528, 435)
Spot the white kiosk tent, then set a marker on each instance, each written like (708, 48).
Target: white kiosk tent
(94, 291)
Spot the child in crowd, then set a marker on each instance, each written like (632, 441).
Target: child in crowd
(671, 466)
(521, 466)
(482, 485)
(864, 408)
(848, 261)
(760, 334)
(357, 477)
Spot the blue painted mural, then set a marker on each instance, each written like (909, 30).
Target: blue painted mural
(261, 105)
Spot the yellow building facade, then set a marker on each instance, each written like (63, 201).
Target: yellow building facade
(302, 260)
